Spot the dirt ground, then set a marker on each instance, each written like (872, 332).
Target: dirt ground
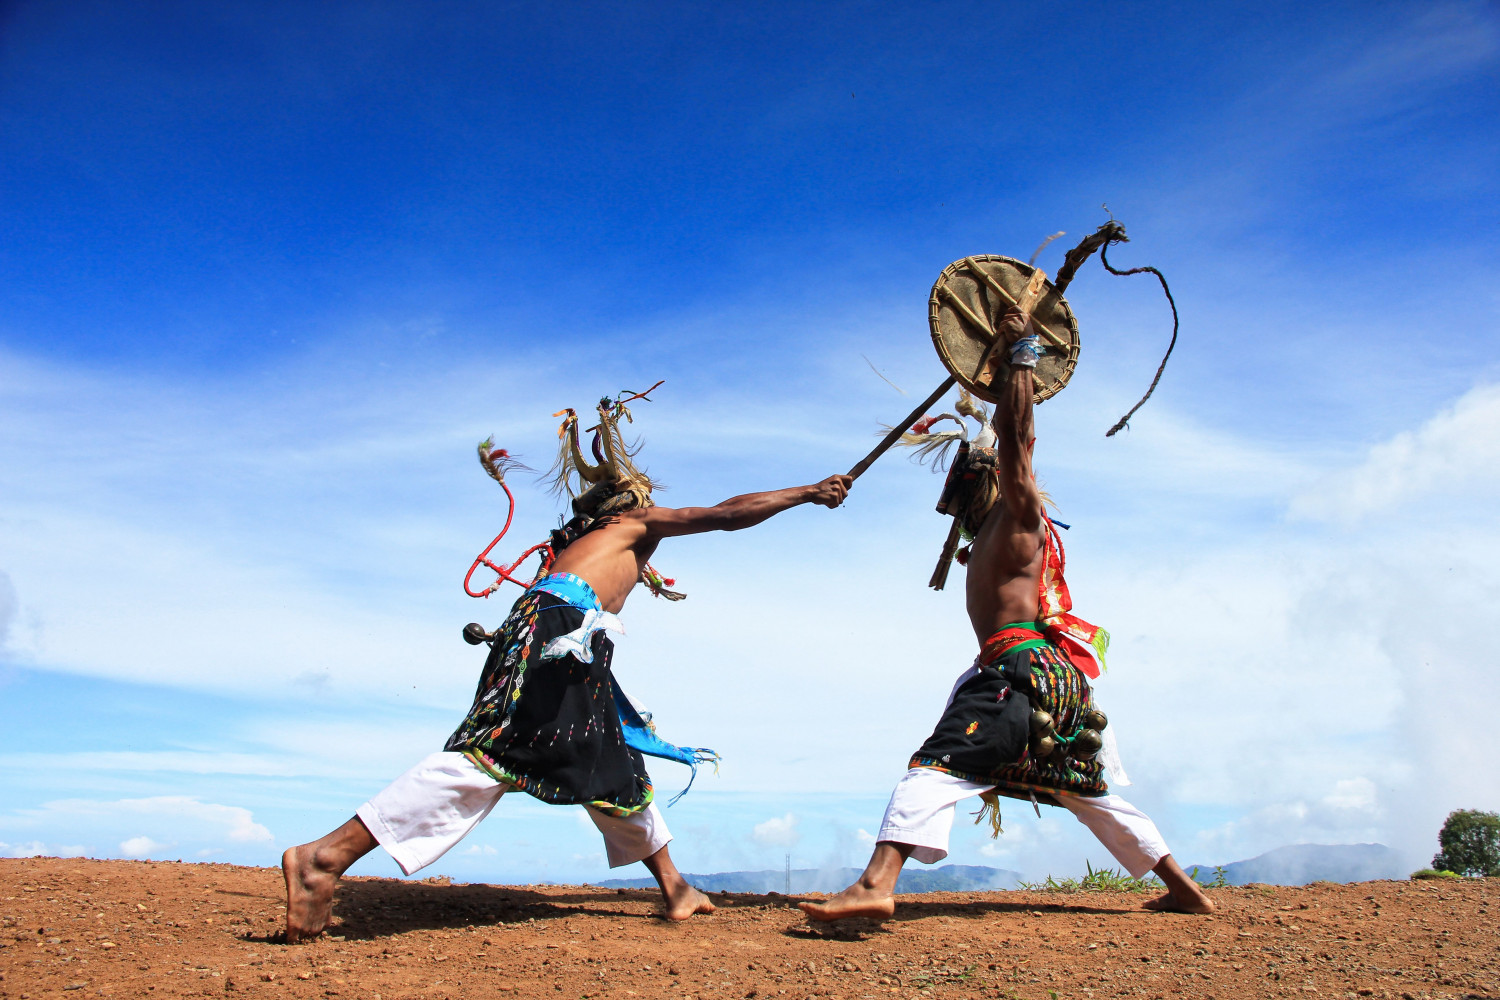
(72, 928)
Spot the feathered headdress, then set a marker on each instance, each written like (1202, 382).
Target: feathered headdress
(971, 488)
(932, 447)
(611, 483)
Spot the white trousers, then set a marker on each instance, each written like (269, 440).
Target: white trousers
(423, 814)
(921, 814)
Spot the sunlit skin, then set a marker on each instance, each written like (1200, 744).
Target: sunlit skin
(1004, 569)
(609, 559)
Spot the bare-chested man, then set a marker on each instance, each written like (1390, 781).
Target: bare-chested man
(548, 718)
(990, 739)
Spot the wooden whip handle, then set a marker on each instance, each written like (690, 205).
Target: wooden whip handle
(900, 429)
(988, 365)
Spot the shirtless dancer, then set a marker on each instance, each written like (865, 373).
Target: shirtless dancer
(547, 725)
(986, 742)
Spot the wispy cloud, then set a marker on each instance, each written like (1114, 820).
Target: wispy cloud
(141, 827)
(1455, 456)
(778, 831)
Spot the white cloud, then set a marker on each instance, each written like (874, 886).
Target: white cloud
(865, 837)
(140, 847)
(30, 849)
(1352, 793)
(8, 608)
(1317, 680)
(172, 818)
(778, 831)
(1453, 456)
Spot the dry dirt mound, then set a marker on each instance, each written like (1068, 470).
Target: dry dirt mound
(74, 928)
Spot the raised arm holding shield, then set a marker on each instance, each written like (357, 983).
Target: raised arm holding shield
(1020, 721)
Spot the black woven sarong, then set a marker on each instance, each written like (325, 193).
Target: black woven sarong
(983, 733)
(550, 727)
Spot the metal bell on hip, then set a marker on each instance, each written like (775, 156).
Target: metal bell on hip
(1086, 745)
(1095, 719)
(1043, 747)
(1041, 722)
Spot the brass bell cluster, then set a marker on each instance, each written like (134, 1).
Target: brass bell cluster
(1047, 745)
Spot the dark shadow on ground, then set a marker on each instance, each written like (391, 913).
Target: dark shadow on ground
(370, 908)
(366, 908)
(858, 928)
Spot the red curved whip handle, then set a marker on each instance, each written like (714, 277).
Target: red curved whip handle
(503, 574)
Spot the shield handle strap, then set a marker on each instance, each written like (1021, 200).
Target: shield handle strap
(985, 373)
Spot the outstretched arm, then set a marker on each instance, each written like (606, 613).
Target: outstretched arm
(742, 511)
(1015, 430)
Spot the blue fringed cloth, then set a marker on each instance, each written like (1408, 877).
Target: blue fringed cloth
(549, 717)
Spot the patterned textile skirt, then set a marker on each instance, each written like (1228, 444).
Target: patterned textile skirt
(550, 727)
(983, 735)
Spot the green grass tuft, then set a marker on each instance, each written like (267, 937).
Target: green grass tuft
(1434, 873)
(1102, 880)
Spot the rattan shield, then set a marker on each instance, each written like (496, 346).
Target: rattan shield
(967, 302)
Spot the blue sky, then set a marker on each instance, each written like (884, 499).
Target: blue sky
(269, 271)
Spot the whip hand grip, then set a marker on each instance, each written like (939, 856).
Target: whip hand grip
(985, 374)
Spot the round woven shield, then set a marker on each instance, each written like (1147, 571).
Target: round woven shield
(968, 300)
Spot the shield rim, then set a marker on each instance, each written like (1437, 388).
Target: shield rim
(965, 379)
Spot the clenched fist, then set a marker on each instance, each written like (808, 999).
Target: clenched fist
(1013, 325)
(831, 491)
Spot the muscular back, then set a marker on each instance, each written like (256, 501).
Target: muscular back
(609, 559)
(1005, 566)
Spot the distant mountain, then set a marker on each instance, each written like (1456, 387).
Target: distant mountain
(948, 878)
(1299, 864)
(1296, 864)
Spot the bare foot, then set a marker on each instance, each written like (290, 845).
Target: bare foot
(309, 894)
(1183, 894)
(1169, 903)
(682, 902)
(855, 901)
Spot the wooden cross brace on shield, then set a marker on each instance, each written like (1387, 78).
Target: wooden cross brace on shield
(967, 302)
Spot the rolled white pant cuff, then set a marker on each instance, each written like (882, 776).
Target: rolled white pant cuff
(1125, 831)
(920, 813)
(928, 854)
(423, 814)
(628, 839)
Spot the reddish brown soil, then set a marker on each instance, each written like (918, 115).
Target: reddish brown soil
(72, 928)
